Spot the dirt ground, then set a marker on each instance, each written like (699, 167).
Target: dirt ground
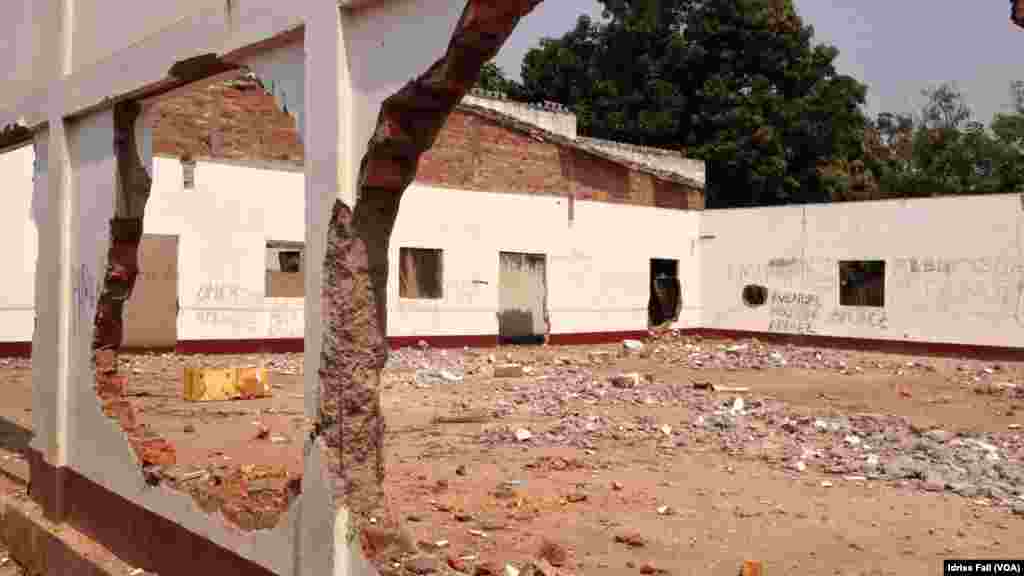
(810, 461)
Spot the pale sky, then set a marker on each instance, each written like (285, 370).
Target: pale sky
(896, 47)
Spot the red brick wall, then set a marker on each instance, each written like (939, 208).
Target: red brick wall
(478, 154)
(471, 152)
(222, 121)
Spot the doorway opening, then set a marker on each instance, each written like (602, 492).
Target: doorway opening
(666, 293)
(522, 298)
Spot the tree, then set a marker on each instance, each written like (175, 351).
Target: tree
(737, 83)
(944, 151)
(492, 79)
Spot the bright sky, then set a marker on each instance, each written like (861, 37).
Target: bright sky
(896, 47)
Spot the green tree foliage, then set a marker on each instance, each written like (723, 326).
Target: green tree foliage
(737, 83)
(943, 151)
(493, 79)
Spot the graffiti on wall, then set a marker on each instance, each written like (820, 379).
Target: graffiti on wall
(990, 287)
(84, 296)
(859, 317)
(815, 275)
(285, 323)
(239, 322)
(793, 312)
(225, 293)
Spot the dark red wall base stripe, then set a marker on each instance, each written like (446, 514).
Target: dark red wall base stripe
(284, 345)
(908, 347)
(252, 346)
(15, 349)
(136, 535)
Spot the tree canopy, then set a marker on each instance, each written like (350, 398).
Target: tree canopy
(944, 151)
(737, 83)
(742, 85)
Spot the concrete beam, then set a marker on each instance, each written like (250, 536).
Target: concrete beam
(374, 126)
(144, 68)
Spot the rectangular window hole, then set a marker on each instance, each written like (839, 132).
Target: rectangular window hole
(285, 276)
(862, 283)
(420, 273)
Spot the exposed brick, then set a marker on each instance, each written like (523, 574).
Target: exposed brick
(154, 451)
(106, 361)
(111, 385)
(471, 152)
(122, 411)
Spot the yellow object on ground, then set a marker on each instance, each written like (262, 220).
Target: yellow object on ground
(219, 384)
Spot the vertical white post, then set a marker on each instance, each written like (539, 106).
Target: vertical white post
(327, 97)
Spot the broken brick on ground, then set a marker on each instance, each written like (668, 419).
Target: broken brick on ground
(827, 420)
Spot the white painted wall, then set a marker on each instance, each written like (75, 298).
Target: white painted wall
(223, 224)
(597, 281)
(28, 53)
(19, 238)
(102, 29)
(597, 266)
(954, 267)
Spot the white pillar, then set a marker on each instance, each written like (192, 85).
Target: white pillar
(355, 59)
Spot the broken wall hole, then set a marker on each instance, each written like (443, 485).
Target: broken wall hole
(862, 283)
(754, 295)
(666, 297)
(228, 430)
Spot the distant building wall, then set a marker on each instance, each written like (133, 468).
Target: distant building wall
(597, 257)
(18, 245)
(954, 269)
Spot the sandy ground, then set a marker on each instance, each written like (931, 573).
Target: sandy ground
(829, 463)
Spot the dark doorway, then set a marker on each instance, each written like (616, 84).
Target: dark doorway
(666, 292)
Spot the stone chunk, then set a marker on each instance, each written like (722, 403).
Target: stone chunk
(508, 371)
(630, 380)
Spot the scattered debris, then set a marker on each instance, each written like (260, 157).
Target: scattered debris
(552, 552)
(508, 371)
(630, 380)
(751, 568)
(631, 539)
(632, 345)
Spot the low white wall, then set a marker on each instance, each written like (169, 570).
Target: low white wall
(18, 236)
(954, 268)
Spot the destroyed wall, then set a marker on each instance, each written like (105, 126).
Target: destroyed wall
(953, 270)
(20, 246)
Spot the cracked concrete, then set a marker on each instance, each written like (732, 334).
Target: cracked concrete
(355, 269)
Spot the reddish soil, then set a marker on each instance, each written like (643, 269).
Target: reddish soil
(497, 501)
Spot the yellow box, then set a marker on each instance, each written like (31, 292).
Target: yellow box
(219, 384)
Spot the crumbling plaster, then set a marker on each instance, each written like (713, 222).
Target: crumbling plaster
(77, 200)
